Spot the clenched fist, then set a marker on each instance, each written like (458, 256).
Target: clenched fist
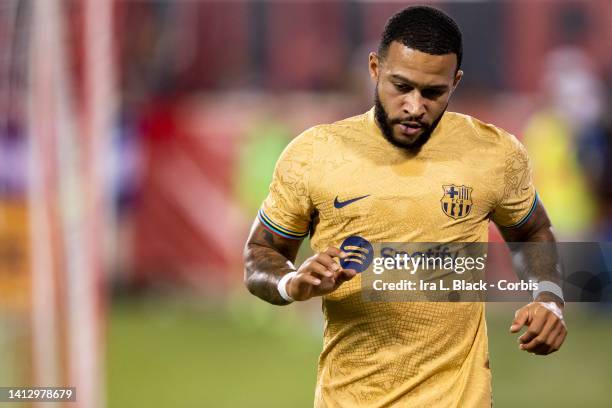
(319, 275)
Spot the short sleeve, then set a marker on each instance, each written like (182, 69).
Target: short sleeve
(518, 197)
(287, 209)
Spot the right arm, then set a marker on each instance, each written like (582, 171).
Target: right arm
(268, 257)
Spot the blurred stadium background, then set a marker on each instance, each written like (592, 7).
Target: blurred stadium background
(137, 140)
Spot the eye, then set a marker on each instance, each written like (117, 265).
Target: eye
(402, 87)
(432, 93)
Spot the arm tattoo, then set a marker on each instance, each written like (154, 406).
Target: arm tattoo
(534, 251)
(267, 258)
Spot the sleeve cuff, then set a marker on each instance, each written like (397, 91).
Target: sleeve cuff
(279, 229)
(527, 216)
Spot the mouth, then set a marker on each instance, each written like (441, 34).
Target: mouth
(410, 129)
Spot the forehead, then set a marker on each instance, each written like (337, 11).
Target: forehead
(408, 62)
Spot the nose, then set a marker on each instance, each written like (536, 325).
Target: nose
(413, 104)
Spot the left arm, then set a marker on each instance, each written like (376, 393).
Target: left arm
(546, 329)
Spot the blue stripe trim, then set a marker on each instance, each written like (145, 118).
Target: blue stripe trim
(526, 217)
(280, 227)
(276, 225)
(277, 229)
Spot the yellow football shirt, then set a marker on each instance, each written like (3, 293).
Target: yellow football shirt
(405, 354)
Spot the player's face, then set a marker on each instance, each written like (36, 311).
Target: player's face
(412, 91)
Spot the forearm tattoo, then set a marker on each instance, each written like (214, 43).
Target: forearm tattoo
(268, 257)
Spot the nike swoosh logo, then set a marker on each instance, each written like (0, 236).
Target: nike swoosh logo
(340, 204)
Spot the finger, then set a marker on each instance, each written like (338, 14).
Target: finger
(542, 333)
(335, 252)
(552, 340)
(541, 350)
(555, 333)
(536, 325)
(306, 279)
(345, 275)
(327, 261)
(533, 345)
(520, 319)
(560, 339)
(319, 269)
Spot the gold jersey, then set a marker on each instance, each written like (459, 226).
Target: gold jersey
(344, 179)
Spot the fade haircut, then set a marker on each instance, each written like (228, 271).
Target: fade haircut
(425, 29)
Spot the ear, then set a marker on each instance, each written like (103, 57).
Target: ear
(457, 79)
(373, 66)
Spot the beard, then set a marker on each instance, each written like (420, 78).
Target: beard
(386, 126)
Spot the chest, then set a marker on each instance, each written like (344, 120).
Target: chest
(432, 192)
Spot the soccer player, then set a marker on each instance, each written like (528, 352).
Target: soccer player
(395, 174)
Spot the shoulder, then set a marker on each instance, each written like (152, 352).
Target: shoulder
(301, 146)
(329, 133)
(484, 133)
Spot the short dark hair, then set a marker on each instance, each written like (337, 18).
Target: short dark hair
(425, 29)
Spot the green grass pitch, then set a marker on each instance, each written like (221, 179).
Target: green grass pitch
(168, 353)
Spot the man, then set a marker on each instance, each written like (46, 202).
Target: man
(381, 176)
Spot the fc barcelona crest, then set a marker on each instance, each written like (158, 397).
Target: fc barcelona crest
(456, 201)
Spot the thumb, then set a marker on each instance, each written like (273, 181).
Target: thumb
(520, 319)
